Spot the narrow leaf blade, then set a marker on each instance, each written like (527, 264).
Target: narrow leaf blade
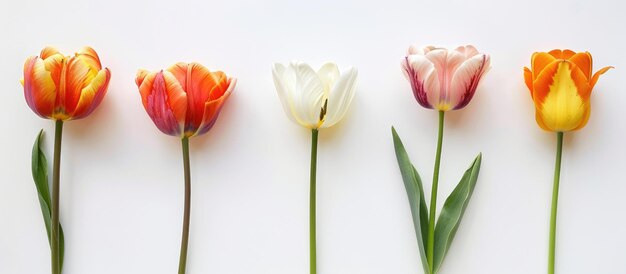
(39, 168)
(452, 212)
(415, 193)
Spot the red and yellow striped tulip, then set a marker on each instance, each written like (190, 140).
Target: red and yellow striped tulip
(560, 83)
(185, 99)
(63, 87)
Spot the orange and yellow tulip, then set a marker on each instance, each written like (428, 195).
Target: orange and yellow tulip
(63, 87)
(560, 83)
(185, 99)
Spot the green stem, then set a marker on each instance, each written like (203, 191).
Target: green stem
(55, 229)
(555, 202)
(430, 252)
(312, 204)
(182, 264)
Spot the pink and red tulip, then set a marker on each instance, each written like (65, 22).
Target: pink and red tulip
(185, 99)
(63, 87)
(444, 79)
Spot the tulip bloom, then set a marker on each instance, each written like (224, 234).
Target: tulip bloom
(184, 101)
(60, 88)
(560, 83)
(444, 79)
(314, 99)
(63, 87)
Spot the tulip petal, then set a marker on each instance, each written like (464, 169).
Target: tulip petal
(446, 63)
(309, 92)
(528, 79)
(543, 80)
(563, 108)
(423, 77)
(328, 74)
(562, 54)
(78, 74)
(584, 62)
(340, 97)
(165, 102)
(539, 61)
(47, 52)
(596, 75)
(90, 57)
(212, 108)
(39, 88)
(141, 74)
(466, 79)
(284, 80)
(92, 95)
(468, 51)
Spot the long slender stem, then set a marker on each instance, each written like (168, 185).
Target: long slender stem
(56, 170)
(430, 252)
(312, 204)
(182, 264)
(555, 202)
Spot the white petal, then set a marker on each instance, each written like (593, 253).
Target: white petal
(309, 95)
(421, 73)
(284, 79)
(340, 97)
(328, 73)
(466, 79)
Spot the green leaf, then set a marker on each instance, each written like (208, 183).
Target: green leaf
(452, 212)
(40, 177)
(415, 192)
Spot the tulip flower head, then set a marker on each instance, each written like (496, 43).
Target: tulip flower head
(314, 99)
(63, 87)
(444, 79)
(560, 84)
(185, 99)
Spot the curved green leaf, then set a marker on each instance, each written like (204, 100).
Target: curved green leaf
(415, 192)
(452, 212)
(40, 177)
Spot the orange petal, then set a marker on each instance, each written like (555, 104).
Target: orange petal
(579, 78)
(539, 61)
(528, 78)
(584, 62)
(212, 109)
(47, 52)
(562, 54)
(596, 76)
(78, 75)
(92, 95)
(89, 56)
(543, 80)
(39, 88)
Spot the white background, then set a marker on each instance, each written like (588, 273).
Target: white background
(122, 188)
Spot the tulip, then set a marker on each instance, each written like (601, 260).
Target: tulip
(560, 84)
(444, 79)
(60, 88)
(314, 99)
(184, 101)
(63, 87)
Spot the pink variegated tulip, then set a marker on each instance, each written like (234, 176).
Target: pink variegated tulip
(444, 79)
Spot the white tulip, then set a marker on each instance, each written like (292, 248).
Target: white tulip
(314, 99)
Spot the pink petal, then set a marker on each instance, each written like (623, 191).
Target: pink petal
(466, 79)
